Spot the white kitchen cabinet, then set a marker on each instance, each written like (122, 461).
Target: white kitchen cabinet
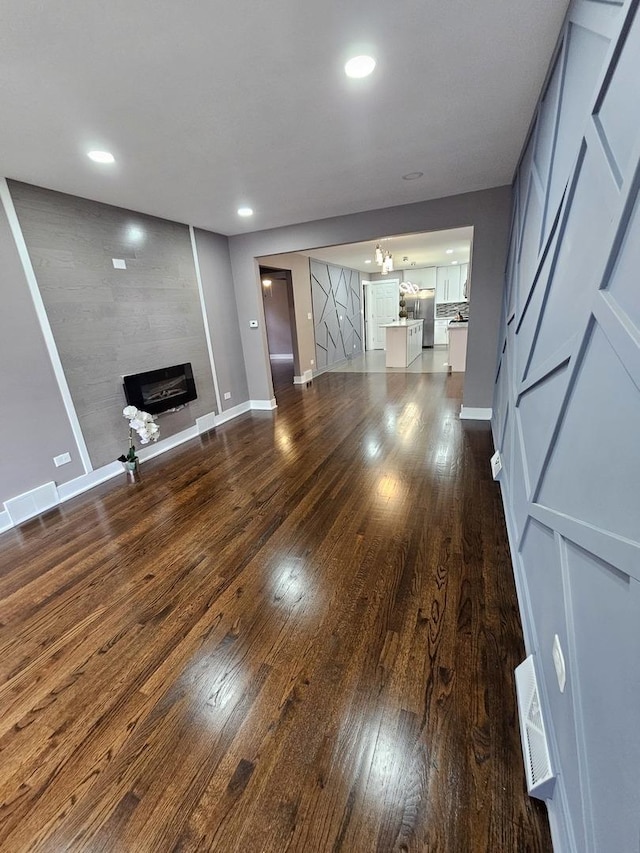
(449, 286)
(464, 283)
(424, 277)
(441, 332)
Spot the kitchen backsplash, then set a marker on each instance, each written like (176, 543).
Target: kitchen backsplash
(450, 309)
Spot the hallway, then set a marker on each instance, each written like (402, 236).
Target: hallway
(295, 633)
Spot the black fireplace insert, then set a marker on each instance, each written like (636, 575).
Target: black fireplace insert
(160, 390)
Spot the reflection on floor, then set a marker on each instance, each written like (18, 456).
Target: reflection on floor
(432, 360)
(282, 373)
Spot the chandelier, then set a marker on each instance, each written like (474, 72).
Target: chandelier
(384, 259)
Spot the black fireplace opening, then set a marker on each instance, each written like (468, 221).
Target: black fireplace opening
(160, 390)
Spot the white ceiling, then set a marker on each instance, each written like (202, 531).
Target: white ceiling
(424, 250)
(207, 106)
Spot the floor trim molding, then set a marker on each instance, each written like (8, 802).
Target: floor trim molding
(263, 405)
(472, 413)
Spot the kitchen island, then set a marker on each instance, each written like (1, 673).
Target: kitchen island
(458, 346)
(403, 342)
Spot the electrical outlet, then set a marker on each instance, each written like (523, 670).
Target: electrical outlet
(309, 316)
(558, 662)
(496, 464)
(62, 459)
(227, 395)
(119, 263)
(311, 361)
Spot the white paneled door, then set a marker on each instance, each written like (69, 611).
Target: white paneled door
(382, 300)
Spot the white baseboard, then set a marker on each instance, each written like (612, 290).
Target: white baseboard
(307, 376)
(81, 484)
(280, 356)
(263, 405)
(469, 413)
(206, 422)
(234, 412)
(49, 495)
(5, 521)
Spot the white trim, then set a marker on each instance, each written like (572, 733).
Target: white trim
(307, 376)
(205, 319)
(169, 443)
(230, 414)
(87, 481)
(27, 266)
(206, 422)
(469, 413)
(263, 405)
(280, 356)
(75, 487)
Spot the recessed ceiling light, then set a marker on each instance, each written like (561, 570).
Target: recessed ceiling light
(367, 260)
(449, 251)
(360, 66)
(101, 156)
(412, 176)
(245, 211)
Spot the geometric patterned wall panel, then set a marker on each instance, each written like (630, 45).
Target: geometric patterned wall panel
(623, 284)
(587, 216)
(335, 293)
(538, 409)
(583, 56)
(591, 452)
(618, 114)
(605, 606)
(567, 418)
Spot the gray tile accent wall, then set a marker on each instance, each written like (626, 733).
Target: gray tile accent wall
(109, 322)
(336, 313)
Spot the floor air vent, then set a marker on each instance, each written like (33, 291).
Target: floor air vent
(535, 748)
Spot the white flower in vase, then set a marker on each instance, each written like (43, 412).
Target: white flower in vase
(143, 424)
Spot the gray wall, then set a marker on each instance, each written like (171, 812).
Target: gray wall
(109, 322)
(278, 320)
(567, 419)
(220, 302)
(34, 426)
(337, 320)
(487, 211)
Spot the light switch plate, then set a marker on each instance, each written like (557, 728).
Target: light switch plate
(496, 464)
(62, 459)
(227, 395)
(119, 263)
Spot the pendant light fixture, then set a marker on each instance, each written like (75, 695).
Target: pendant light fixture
(378, 255)
(387, 263)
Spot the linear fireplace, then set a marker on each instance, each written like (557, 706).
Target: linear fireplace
(160, 390)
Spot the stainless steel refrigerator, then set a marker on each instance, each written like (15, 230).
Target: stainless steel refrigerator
(423, 309)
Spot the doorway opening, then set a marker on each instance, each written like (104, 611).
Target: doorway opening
(279, 315)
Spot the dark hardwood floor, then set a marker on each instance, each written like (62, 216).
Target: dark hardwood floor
(297, 633)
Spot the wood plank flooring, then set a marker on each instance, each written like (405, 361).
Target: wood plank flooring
(296, 633)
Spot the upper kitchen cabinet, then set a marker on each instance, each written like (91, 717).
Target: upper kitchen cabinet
(450, 283)
(424, 277)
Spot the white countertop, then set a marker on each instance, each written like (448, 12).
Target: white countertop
(459, 325)
(401, 324)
